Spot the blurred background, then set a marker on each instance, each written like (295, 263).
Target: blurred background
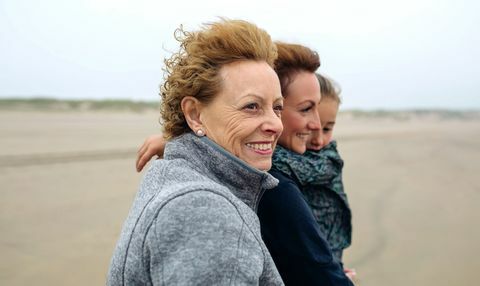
(386, 54)
(79, 89)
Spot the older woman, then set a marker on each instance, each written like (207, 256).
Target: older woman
(193, 220)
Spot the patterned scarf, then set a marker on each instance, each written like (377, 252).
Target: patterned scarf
(319, 175)
(313, 168)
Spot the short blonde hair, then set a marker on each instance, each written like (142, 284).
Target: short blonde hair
(194, 69)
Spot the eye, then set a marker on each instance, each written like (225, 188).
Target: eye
(326, 130)
(306, 109)
(251, 107)
(278, 109)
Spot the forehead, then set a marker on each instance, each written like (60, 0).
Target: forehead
(327, 110)
(327, 103)
(304, 87)
(249, 77)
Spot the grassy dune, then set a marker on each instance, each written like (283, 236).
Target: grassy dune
(52, 104)
(414, 113)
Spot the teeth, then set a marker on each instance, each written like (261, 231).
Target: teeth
(262, 147)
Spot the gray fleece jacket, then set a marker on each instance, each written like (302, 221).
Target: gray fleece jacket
(193, 222)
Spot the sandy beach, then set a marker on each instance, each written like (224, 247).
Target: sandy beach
(68, 178)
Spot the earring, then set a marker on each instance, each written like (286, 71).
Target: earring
(200, 133)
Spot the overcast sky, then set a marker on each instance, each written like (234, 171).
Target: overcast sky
(385, 54)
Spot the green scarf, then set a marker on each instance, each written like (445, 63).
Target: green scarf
(319, 175)
(315, 168)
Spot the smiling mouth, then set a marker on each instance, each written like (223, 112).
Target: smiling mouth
(260, 146)
(315, 147)
(303, 135)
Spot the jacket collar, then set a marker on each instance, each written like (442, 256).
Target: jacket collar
(244, 181)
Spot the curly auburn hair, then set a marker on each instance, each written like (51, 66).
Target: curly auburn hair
(194, 69)
(293, 58)
(329, 88)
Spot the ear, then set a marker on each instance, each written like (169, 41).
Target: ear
(191, 108)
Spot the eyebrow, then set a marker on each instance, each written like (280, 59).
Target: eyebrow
(260, 97)
(306, 101)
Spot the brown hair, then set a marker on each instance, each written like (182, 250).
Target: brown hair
(194, 69)
(292, 59)
(329, 88)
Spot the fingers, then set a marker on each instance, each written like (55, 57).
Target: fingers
(140, 163)
(153, 145)
(350, 273)
(145, 156)
(144, 147)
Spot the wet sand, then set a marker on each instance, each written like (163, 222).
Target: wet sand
(68, 179)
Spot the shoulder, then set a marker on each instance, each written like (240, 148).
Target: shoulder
(175, 170)
(175, 178)
(287, 185)
(284, 180)
(284, 198)
(192, 201)
(175, 193)
(202, 215)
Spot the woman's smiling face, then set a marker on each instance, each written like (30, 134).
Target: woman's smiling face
(327, 110)
(244, 118)
(300, 116)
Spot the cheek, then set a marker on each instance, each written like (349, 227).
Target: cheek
(237, 128)
(222, 126)
(292, 122)
(328, 138)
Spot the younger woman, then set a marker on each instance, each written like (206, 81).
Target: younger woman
(318, 172)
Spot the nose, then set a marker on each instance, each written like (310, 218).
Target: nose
(322, 140)
(314, 121)
(316, 141)
(272, 124)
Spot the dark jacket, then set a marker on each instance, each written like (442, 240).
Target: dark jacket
(319, 176)
(294, 239)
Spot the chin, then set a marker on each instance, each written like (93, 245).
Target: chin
(299, 149)
(262, 166)
(265, 167)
